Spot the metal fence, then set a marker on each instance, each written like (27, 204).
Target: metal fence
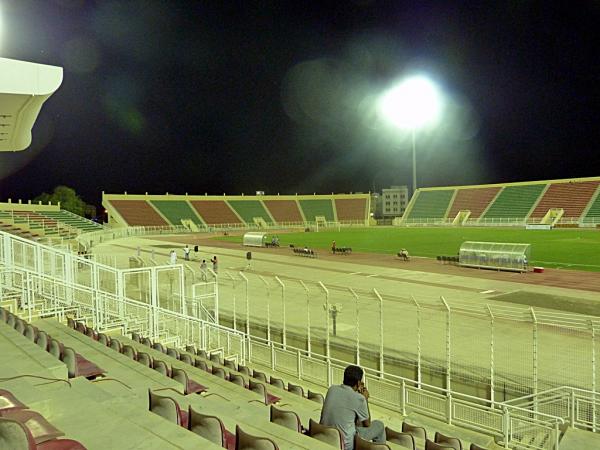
(485, 367)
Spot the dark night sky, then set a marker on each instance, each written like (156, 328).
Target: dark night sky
(238, 96)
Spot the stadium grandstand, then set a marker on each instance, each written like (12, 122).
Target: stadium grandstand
(202, 212)
(567, 202)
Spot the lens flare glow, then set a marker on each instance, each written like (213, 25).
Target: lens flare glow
(414, 103)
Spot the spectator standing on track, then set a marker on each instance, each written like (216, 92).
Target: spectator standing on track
(215, 264)
(346, 405)
(203, 270)
(249, 258)
(173, 257)
(186, 253)
(333, 247)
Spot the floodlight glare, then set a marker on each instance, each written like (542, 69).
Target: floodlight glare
(413, 103)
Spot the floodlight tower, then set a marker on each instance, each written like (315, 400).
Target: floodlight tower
(413, 104)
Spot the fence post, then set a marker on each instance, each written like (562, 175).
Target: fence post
(492, 380)
(448, 345)
(381, 368)
(403, 397)
(357, 329)
(283, 339)
(593, 375)
(233, 287)
(506, 427)
(268, 308)
(573, 415)
(419, 379)
(247, 306)
(308, 346)
(327, 352)
(535, 360)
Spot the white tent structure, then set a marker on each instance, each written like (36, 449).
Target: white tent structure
(24, 87)
(254, 239)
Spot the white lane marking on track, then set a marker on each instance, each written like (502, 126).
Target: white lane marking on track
(355, 273)
(373, 275)
(488, 292)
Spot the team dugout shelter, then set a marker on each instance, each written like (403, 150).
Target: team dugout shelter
(495, 255)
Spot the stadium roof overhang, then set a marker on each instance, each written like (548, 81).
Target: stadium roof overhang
(24, 87)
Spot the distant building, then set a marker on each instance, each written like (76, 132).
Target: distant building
(394, 201)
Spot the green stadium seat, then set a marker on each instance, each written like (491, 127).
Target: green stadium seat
(316, 208)
(431, 204)
(249, 209)
(176, 210)
(514, 202)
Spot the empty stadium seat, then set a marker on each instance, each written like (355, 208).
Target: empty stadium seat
(329, 435)
(416, 431)
(167, 408)
(9, 402)
(447, 440)
(190, 386)
(288, 419)
(245, 441)
(315, 397)
(430, 445)
(210, 428)
(404, 439)
(237, 379)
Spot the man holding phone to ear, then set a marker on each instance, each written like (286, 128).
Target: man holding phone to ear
(347, 409)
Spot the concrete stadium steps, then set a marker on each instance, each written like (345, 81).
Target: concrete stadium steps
(248, 209)
(318, 207)
(515, 201)
(351, 209)
(573, 197)
(284, 210)
(215, 212)
(594, 212)
(138, 212)
(176, 210)
(431, 204)
(475, 200)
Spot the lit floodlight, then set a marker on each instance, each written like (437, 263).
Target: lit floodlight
(413, 103)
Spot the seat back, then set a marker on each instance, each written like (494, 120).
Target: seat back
(277, 382)
(209, 427)
(447, 440)
(104, 339)
(70, 360)
(315, 397)
(54, 348)
(70, 323)
(243, 370)
(245, 441)
(136, 337)
(361, 444)
(476, 447)
(9, 402)
(294, 389)
(164, 406)
(190, 349)
(403, 439)
(115, 344)
(90, 332)
(184, 357)
(130, 352)
(3, 315)
(19, 326)
(145, 359)
(288, 419)
(257, 387)
(30, 332)
(147, 342)
(259, 376)
(417, 432)
(230, 364)
(80, 326)
(218, 371)
(237, 379)
(173, 353)
(42, 340)
(216, 358)
(10, 320)
(200, 364)
(201, 353)
(159, 347)
(14, 435)
(329, 435)
(430, 445)
(161, 367)
(180, 376)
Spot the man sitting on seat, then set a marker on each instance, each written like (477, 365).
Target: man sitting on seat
(346, 405)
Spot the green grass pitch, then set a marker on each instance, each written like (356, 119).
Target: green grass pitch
(565, 248)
